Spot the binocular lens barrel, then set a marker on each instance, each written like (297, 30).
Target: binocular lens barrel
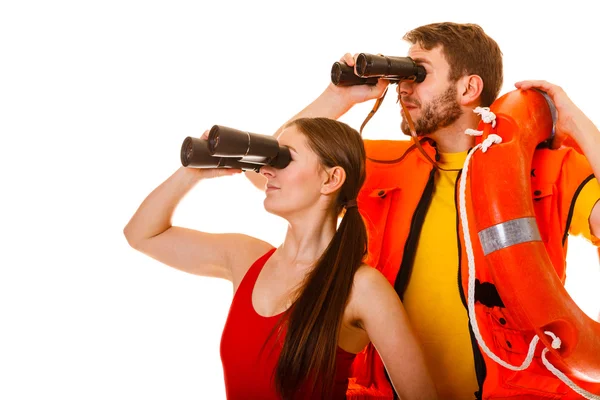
(370, 65)
(231, 148)
(343, 75)
(229, 142)
(195, 154)
(187, 151)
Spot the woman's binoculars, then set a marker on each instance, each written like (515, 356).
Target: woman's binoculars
(370, 67)
(231, 148)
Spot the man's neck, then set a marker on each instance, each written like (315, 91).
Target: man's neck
(452, 142)
(453, 139)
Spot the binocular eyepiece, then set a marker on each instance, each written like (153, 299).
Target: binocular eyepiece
(370, 67)
(232, 148)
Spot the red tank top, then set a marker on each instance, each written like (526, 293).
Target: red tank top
(249, 362)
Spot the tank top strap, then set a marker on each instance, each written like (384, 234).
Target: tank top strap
(247, 284)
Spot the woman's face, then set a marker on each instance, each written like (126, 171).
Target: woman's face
(297, 187)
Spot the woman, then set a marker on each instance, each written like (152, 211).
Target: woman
(300, 311)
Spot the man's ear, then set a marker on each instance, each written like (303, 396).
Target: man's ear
(469, 89)
(334, 179)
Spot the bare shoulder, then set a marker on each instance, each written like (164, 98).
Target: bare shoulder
(370, 291)
(368, 280)
(247, 249)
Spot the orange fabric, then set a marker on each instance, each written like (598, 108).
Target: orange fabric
(392, 201)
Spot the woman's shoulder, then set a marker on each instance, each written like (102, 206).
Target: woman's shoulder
(247, 250)
(372, 299)
(369, 278)
(370, 285)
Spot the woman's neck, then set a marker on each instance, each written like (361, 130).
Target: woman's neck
(306, 240)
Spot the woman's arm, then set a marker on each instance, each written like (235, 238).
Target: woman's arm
(382, 315)
(217, 255)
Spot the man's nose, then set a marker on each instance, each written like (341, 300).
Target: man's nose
(405, 88)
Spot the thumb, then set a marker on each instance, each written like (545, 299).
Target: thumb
(558, 140)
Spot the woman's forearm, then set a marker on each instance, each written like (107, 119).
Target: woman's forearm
(154, 215)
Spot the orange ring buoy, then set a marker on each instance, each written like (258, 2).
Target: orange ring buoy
(516, 257)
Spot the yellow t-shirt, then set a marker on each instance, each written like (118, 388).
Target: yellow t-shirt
(432, 298)
(587, 199)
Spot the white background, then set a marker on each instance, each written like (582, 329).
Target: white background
(95, 100)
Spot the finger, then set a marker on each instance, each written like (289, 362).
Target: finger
(528, 84)
(554, 91)
(380, 86)
(348, 59)
(228, 171)
(205, 135)
(555, 144)
(219, 172)
(557, 140)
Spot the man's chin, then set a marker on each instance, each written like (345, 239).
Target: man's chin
(406, 131)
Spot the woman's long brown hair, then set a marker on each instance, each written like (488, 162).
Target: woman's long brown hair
(308, 357)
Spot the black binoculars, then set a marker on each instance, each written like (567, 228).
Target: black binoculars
(231, 148)
(370, 67)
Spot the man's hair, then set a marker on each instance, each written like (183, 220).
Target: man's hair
(468, 50)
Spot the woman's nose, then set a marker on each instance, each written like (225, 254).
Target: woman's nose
(267, 171)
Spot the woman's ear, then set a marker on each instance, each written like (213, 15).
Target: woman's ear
(334, 179)
(469, 89)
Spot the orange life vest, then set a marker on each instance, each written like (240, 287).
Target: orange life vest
(394, 201)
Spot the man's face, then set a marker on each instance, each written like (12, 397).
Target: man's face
(432, 104)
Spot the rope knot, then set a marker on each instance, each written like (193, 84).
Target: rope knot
(489, 141)
(555, 340)
(486, 115)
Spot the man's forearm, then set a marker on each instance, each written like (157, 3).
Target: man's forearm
(328, 105)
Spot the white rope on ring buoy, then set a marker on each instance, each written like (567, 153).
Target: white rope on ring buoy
(487, 116)
(556, 342)
(473, 132)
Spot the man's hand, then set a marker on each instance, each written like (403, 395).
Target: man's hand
(358, 93)
(571, 121)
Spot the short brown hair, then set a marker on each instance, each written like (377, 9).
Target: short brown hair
(468, 51)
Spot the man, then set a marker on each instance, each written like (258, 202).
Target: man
(413, 214)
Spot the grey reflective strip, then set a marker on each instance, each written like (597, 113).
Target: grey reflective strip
(508, 234)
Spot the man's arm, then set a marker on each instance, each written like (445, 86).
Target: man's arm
(574, 123)
(334, 102)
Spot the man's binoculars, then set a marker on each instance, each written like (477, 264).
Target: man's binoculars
(370, 67)
(231, 148)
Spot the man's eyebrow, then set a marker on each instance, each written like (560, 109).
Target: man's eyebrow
(421, 61)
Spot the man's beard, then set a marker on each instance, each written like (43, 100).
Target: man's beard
(442, 111)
